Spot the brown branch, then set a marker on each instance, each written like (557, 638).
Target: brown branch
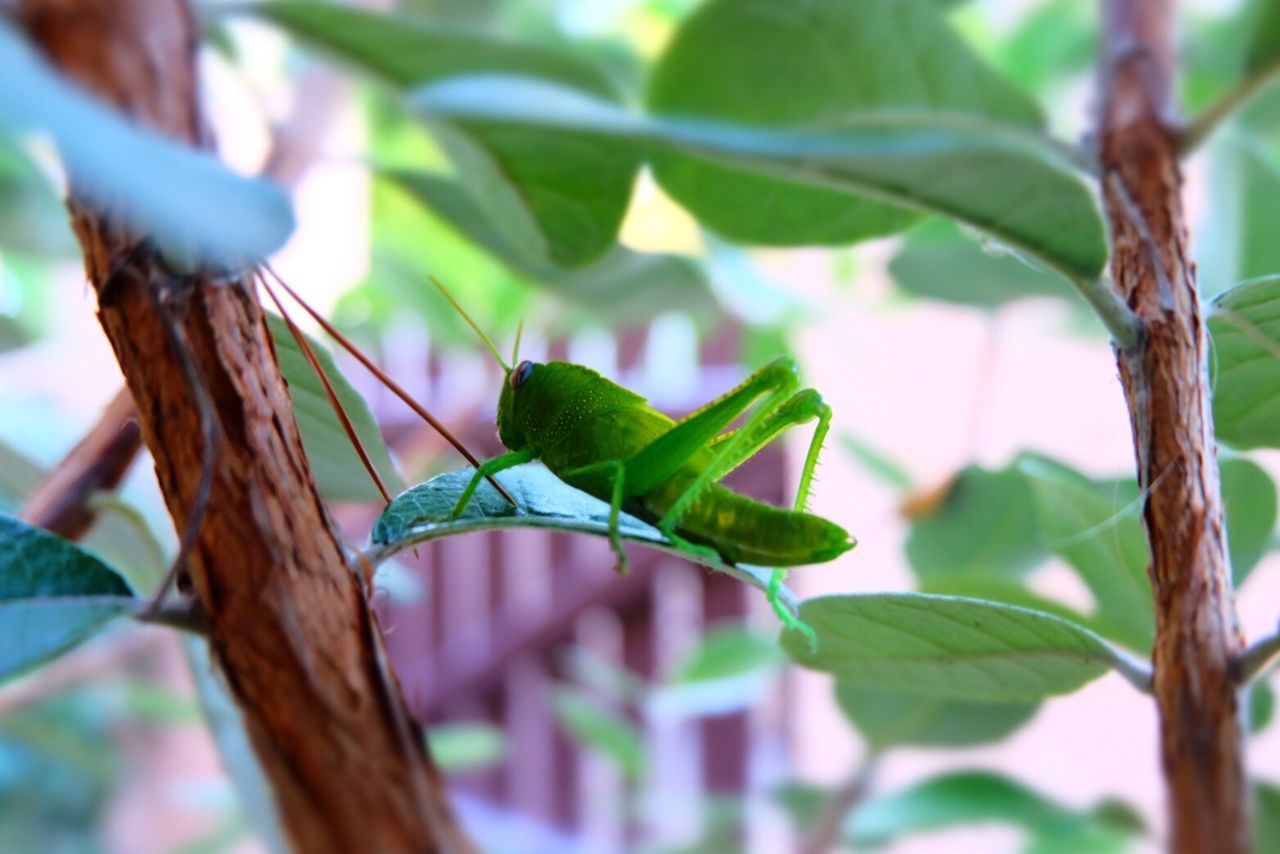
(97, 464)
(1167, 389)
(286, 615)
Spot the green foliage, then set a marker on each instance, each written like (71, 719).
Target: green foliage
(886, 470)
(758, 63)
(32, 218)
(1266, 821)
(601, 730)
(939, 261)
(1012, 187)
(1249, 496)
(542, 501)
(461, 747)
(1244, 323)
(53, 595)
(559, 198)
(973, 797)
(1262, 703)
(622, 286)
(986, 526)
(728, 651)
(887, 719)
(1095, 527)
(339, 474)
(219, 216)
(946, 647)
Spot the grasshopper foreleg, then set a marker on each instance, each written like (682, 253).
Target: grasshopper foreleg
(488, 469)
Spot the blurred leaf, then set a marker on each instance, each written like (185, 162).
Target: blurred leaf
(152, 704)
(18, 476)
(1011, 186)
(887, 470)
(559, 197)
(605, 678)
(894, 718)
(939, 261)
(940, 646)
(218, 216)
(823, 64)
(1249, 495)
(622, 287)
(32, 217)
(542, 501)
(972, 797)
(727, 651)
(1054, 40)
(1263, 48)
(1244, 323)
(803, 803)
(53, 595)
(600, 730)
(1262, 705)
(986, 525)
(1242, 214)
(733, 668)
(461, 747)
(1266, 818)
(1095, 527)
(339, 473)
(123, 538)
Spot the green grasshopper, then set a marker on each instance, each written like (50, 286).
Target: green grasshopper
(607, 441)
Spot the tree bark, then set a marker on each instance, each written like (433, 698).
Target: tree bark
(287, 617)
(1166, 385)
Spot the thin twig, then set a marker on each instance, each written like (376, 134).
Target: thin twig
(1257, 658)
(61, 502)
(1120, 320)
(1134, 670)
(826, 832)
(1215, 115)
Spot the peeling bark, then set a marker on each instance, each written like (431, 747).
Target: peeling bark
(288, 621)
(1167, 388)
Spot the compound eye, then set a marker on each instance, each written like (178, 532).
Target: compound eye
(521, 373)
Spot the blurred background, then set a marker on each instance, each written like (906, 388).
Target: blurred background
(575, 710)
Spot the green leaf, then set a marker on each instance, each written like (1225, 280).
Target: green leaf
(622, 287)
(1242, 217)
(1244, 323)
(986, 525)
(1096, 528)
(940, 646)
(218, 216)
(340, 476)
(33, 219)
(53, 595)
(1262, 705)
(727, 652)
(1263, 50)
(939, 261)
(559, 196)
(972, 797)
(461, 747)
(1249, 495)
(598, 729)
(542, 501)
(1011, 186)
(894, 718)
(1266, 822)
(824, 63)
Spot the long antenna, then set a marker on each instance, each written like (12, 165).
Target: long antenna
(515, 351)
(305, 346)
(485, 338)
(384, 379)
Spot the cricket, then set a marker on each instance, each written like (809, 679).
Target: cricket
(608, 442)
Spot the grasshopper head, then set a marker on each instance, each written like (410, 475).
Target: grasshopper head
(511, 426)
